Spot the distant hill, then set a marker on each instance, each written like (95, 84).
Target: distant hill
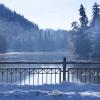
(19, 34)
(11, 16)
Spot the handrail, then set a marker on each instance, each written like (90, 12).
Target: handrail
(82, 62)
(34, 62)
(28, 62)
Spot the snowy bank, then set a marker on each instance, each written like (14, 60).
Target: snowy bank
(64, 91)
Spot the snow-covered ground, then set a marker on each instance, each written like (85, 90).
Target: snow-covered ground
(63, 91)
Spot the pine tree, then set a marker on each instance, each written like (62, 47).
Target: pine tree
(80, 37)
(95, 27)
(83, 19)
(96, 13)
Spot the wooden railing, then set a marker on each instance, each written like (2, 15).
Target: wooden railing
(36, 73)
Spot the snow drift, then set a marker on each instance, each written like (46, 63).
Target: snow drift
(64, 91)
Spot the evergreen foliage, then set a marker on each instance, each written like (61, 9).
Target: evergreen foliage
(8, 15)
(96, 14)
(83, 17)
(86, 39)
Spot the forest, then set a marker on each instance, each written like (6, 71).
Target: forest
(86, 34)
(18, 34)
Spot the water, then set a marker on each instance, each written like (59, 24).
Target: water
(34, 56)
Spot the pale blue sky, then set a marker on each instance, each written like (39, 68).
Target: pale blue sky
(50, 13)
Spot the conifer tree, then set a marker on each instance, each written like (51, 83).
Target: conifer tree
(96, 13)
(81, 41)
(83, 18)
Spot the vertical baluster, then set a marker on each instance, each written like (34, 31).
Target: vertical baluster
(51, 77)
(38, 77)
(42, 76)
(7, 75)
(77, 74)
(64, 69)
(90, 75)
(81, 74)
(20, 75)
(15, 75)
(24, 75)
(72, 74)
(94, 76)
(46, 77)
(33, 76)
(84, 75)
(60, 75)
(29, 76)
(11, 75)
(2, 75)
(55, 76)
(68, 74)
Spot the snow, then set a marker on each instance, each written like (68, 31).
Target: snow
(63, 91)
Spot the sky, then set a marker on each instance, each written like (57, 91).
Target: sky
(55, 14)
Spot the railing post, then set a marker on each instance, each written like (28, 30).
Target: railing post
(64, 69)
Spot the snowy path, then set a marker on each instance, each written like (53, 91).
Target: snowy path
(64, 91)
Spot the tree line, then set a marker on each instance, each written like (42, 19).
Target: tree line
(86, 34)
